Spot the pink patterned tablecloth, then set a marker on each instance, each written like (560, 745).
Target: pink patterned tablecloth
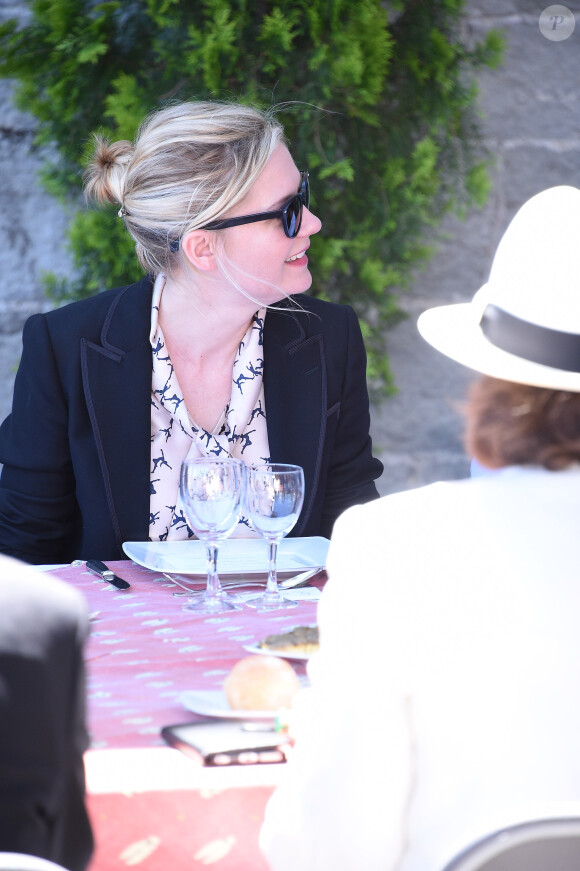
(143, 652)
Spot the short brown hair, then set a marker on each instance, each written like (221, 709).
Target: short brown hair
(518, 424)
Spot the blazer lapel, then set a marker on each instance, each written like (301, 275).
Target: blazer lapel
(295, 396)
(117, 384)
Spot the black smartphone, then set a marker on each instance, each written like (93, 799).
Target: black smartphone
(228, 742)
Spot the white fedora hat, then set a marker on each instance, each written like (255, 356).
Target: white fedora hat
(524, 324)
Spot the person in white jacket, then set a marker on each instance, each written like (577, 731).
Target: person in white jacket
(445, 700)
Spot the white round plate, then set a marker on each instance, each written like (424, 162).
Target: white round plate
(213, 703)
(282, 654)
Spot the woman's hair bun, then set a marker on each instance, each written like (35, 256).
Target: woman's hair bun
(105, 174)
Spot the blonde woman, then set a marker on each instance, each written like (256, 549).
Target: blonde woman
(215, 352)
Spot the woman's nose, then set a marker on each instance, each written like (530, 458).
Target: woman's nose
(311, 224)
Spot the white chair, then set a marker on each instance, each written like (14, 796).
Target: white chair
(537, 845)
(26, 862)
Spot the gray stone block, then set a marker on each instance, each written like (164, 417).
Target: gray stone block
(13, 9)
(13, 120)
(529, 169)
(418, 433)
(10, 350)
(534, 94)
(33, 224)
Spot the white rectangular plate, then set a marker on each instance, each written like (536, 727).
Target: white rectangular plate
(236, 556)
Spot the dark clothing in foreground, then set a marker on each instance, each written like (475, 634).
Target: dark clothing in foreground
(43, 625)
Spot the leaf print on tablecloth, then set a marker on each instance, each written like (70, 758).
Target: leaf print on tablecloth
(137, 852)
(215, 850)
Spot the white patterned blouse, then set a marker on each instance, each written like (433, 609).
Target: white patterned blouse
(240, 432)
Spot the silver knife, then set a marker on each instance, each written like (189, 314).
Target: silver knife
(98, 568)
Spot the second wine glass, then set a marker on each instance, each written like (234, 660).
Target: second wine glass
(212, 493)
(274, 496)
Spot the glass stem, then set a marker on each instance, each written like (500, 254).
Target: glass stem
(213, 581)
(272, 585)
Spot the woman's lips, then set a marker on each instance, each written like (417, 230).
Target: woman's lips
(299, 259)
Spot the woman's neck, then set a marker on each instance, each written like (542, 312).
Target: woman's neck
(203, 322)
(202, 329)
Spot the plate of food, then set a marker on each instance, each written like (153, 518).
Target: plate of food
(298, 643)
(237, 556)
(214, 703)
(256, 688)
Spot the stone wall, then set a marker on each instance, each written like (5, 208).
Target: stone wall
(531, 120)
(530, 111)
(32, 227)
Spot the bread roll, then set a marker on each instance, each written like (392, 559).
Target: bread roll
(261, 683)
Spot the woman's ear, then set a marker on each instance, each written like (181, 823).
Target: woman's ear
(199, 248)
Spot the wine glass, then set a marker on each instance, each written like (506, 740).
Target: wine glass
(274, 496)
(212, 492)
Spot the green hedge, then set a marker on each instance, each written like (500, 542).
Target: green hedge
(380, 107)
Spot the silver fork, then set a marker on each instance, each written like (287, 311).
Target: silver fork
(299, 580)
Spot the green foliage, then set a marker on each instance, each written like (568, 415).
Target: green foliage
(381, 110)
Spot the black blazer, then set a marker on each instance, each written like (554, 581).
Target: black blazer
(76, 447)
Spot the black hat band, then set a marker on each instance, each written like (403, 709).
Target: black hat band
(530, 341)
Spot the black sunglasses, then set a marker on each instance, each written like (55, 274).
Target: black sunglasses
(290, 214)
